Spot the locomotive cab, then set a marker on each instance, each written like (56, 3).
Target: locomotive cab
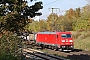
(66, 41)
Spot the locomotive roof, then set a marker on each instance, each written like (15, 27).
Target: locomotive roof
(51, 32)
(47, 32)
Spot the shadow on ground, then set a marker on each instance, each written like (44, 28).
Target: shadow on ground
(78, 57)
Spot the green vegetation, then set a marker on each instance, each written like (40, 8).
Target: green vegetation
(9, 49)
(14, 16)
(7, 57)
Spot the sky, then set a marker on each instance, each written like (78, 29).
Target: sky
(62, 6)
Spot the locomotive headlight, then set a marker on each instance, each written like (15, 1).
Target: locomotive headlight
(71, 46)
(63, 46)
(70, 41)
(63, 40)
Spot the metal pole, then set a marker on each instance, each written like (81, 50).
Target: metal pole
(53, 17)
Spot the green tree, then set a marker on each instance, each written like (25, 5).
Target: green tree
(34, 26)
(14, 17)
(42, 25)
(9, 47)
(14, 14)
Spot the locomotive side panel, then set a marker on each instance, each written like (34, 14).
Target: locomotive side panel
(51, 39)
(46, 38)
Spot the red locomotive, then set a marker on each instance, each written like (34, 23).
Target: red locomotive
(55, 40)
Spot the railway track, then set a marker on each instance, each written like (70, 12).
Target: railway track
(38, 55)
(81, 55)
(75, 55)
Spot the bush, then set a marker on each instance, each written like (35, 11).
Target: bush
(9, 47)
(75, 35)
(82, 40)
(7, 57)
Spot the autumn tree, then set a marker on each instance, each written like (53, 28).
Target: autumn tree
(64, 23)
(51, 21)
(83, 22)
(70, 13)
(77, 12)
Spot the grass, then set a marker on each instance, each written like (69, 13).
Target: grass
(83, 44)
(81, 40)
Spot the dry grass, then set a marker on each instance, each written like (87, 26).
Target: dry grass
(83, 44)
(82, 40)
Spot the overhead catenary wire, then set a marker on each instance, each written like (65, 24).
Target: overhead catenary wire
(46, 6)
(51, 2)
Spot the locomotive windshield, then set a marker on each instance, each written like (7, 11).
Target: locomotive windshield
(66, 35)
